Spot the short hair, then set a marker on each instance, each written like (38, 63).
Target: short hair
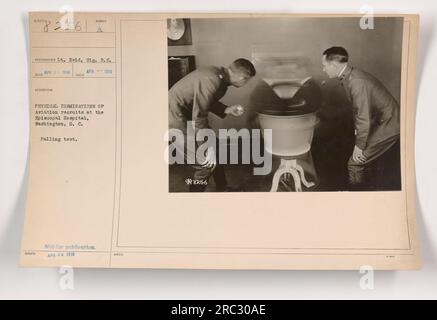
(243, 65)
(338, 54)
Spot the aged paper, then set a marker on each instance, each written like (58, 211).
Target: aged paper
(102, 193)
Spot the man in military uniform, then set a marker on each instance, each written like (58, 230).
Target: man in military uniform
(192, 98)
(375, 161)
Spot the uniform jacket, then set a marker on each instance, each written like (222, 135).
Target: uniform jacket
(198, 93)
(376, 112)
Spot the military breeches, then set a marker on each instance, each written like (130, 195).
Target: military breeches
(201, 175)
(377, 173)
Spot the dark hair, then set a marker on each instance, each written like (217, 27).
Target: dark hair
(338, 54)
(243, 65)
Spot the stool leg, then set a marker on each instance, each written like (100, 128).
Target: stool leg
(276, 178)
(296, 179)
(304, 180)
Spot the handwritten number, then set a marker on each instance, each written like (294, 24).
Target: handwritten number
(46, 25)
(77, 26)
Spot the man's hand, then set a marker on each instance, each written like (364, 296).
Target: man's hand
(210, 160)
(358, 155)
(236, 110)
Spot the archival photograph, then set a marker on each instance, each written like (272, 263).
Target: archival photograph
(284, 104)
(222, 141)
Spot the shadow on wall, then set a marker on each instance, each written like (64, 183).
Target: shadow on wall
(334, 138)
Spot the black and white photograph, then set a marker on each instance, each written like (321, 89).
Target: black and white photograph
(244, 151)
(285, 104)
